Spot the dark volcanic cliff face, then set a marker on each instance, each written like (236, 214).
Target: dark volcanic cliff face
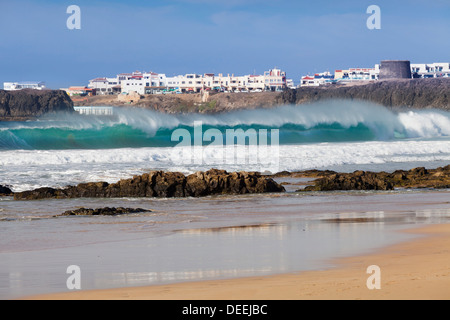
(415, 93)
(33, 103)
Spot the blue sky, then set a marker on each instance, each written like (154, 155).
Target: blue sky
(203, 36)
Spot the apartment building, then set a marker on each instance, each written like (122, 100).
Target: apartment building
(12, 86)
(113, 85)
(430, 70)
(105, 85)
(145, 83)
(357, 74)
(153, 83)
(274, 80)
(317, 80)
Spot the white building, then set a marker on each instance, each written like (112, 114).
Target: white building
(191, 83)
(151, 83)
(430, 70)
(363, 73)
(105, 85)
(113, 85)
(173, 83)
(275, 80)
(290, 84)
(357, 74)
(12, 86)
(145, 83)
(317, 80)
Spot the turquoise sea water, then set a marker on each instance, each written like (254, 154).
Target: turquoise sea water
(336, 121)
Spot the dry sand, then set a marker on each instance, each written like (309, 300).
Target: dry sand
(417, 269)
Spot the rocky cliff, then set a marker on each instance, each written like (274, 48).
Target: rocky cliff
(27, 104)
(414, 93)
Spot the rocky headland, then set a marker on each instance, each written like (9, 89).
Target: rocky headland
(28, 104)
(432, 93)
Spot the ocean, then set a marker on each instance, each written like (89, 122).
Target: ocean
(213, 237)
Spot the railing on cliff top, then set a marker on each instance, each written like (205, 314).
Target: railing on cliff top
(97, 111)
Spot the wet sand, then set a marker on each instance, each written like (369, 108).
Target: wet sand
(416, 269)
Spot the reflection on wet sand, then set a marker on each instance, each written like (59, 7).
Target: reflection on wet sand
(353, 220)
(137, 278)
(200, 239)
(251, 227)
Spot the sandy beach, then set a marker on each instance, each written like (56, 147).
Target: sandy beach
(414, 270)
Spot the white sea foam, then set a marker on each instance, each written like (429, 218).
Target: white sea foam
(26, 169)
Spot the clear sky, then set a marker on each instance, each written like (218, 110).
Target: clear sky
(213, 36)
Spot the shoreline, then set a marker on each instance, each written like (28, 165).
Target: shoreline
(415, 269)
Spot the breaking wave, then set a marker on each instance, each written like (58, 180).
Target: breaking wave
(332, 121)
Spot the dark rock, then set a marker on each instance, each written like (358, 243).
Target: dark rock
(40, 193)
(5, 191)
(359, 180)
(27, 103)
(363, 180)
(164, 185)
(103, 211)
(412, 93)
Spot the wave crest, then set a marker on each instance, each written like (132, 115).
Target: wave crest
(331, 121)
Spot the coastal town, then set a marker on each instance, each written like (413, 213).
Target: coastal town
(274, 80)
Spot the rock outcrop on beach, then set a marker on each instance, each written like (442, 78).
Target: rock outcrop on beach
(359, 180)
(411, 93)
(160, 184)
(164, 185)
(107, 211)
(365, 180)
(28, 104)
(5, 191)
